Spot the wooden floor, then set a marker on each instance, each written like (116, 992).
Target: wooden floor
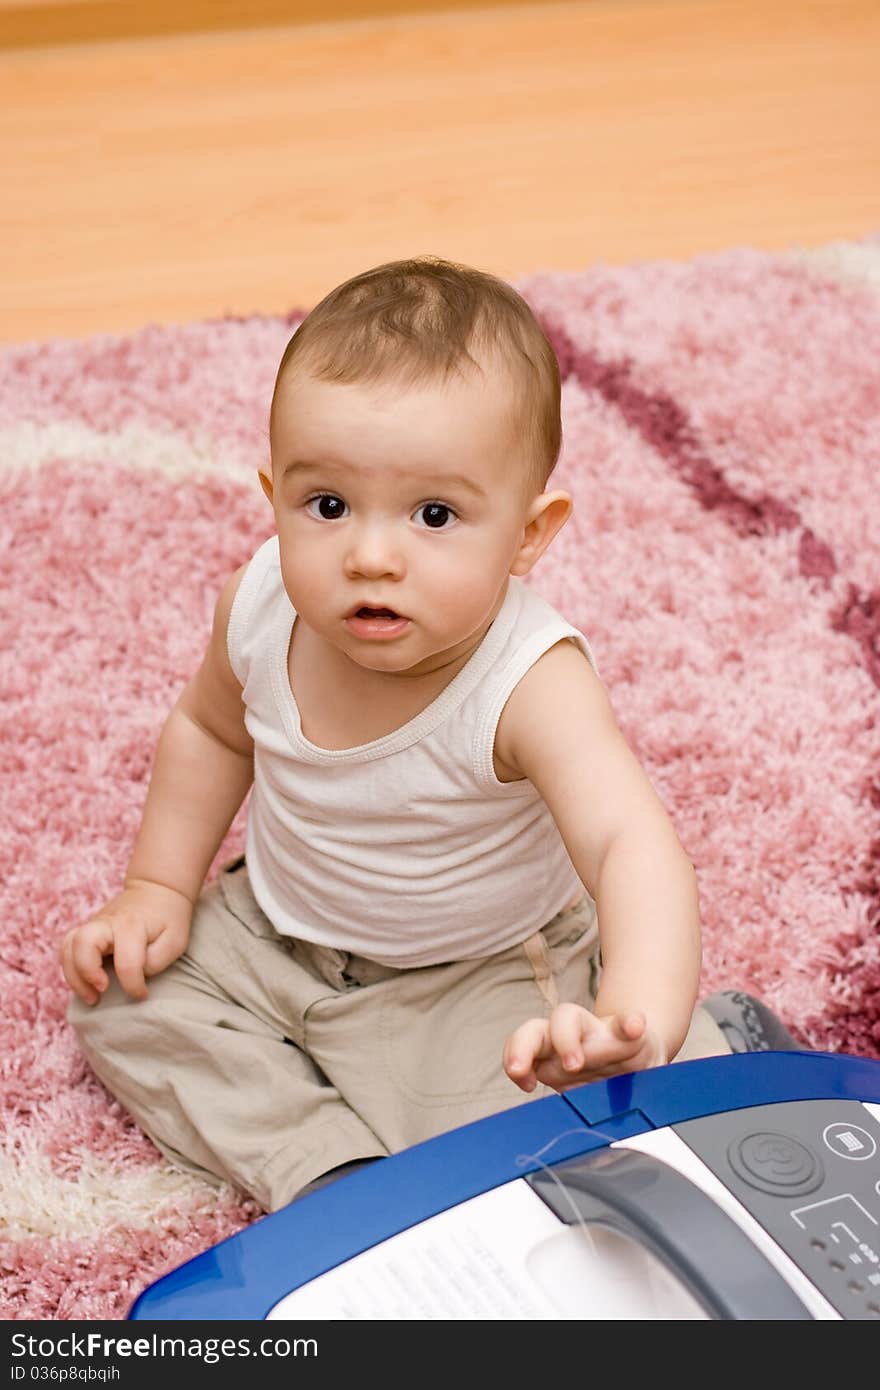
(164, 179)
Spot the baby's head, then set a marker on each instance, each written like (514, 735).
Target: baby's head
(414, 425)
(424, 322)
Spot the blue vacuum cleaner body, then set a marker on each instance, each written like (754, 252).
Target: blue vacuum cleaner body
(739, 1187)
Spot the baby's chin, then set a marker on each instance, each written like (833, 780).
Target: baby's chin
(394, 664)
(394, 659)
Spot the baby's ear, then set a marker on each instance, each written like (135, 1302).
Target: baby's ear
(266, 484)
(546, 516)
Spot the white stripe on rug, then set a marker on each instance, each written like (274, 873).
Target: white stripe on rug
(28, 447)
(36, 1201)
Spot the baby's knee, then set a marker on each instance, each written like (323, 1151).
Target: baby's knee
(114, 1024)
(82, 1016)
(77, 1013)
(86, 1019)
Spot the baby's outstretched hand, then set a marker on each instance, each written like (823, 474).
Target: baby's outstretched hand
(144, 929)
(573, 1046)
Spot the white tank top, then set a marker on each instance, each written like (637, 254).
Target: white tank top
(407, 849)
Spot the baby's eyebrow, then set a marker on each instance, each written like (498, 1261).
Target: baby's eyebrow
(438, 480)
(301, 466)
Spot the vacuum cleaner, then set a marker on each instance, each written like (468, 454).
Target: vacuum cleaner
(738, 1187)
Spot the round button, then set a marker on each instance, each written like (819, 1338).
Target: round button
(849, 1141)
(775, 1163)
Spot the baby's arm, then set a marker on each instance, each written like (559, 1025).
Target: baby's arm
(558, 729)
(201, 774)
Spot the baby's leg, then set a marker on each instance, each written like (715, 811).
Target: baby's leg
(209, 1064)
(741, 1022)
(704, 1038)
(418, 1052)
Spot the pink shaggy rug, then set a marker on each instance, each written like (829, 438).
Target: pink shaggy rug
(722, 441)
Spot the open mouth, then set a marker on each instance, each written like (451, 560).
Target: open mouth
(372, 623)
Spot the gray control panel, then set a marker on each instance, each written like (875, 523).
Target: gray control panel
(809, 1172)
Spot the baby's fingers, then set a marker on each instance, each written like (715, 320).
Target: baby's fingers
(163, 950)
(570, 1026)
(583, 1042)
(526, 1045)
(81, 954)
(630, 1027)
(614, 1038)
(129, 956)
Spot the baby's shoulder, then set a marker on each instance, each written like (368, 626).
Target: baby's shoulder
(558, 692)
(564, 667)
(228, 593)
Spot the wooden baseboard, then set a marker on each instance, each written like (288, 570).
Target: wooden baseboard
(35, 23)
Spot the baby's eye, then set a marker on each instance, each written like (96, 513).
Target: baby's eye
(327, 506)
(436, 515)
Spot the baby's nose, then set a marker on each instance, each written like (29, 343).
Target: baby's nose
(374, 551)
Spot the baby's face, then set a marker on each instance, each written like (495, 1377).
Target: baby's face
(399, 513)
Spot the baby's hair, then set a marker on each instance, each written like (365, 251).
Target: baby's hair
(415, 321)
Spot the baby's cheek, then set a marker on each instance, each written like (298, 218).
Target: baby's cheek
(468, 591)
(305, 582)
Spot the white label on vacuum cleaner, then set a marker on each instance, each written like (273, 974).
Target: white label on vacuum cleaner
(503, 1254)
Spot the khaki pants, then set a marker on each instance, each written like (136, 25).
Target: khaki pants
(265, 1061)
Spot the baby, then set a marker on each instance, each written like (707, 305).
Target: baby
(459, 886)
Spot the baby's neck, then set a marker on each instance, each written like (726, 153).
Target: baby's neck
(343, 705)
(434, 673)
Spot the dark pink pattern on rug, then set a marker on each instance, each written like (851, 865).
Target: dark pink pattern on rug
(664, 425)
(721, 446)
